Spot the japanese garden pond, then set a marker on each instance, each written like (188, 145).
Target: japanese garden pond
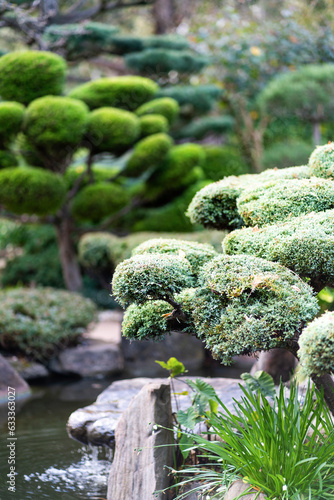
(49, 464)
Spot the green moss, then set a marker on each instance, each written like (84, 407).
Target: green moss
(165, 106)
(55, 126)
(223, 161)
(96, 201)
(147, 154)
(126, 92)
(304, 244)
(31, 190)
(277, 201)
(317, 346)
(42, 321)
(7, 159)
(147, 321)
(27, 75)
(11, 119)
(150, 277)
(153, 124)
(197, 254)
(112, 130)
(321, 161)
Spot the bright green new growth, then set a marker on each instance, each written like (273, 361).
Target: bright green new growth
(197, 254)
(147, 321)
(11, 118)
(150, 152)
(112, 130)
(125, 92)
(27, 75)
(55, 126)
(165, 106)
(277, 201)
(97, 201)
(215, 206)
(150, 277)
(30, 190)
(304, 244)
(321, 161)
(42, 321)
(153, 124)
(317, 346)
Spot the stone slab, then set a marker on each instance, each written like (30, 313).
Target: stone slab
(9, 377)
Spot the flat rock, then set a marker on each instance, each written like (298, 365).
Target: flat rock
(9, 378)
(140, 462)
(238, 488)
(95, 424)
(29, 370)
(140, 356)
(91, 360)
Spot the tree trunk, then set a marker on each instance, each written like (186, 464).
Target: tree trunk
(67, 254)
(325, 383)
(163, 13)
(317, 134)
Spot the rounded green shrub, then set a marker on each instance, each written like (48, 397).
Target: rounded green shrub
(42, 321)
(150, 277)
(30, 190)
(112, 130)
(304, 244)
(278, 200)
(223, 161)
(165, 106)
(97, 201)
(147, 321)
(94, 250)
(153, 124)
(11, 119)
(147, 154)
(317, 346)
(197, 254)
(27, 75)
(55, 125)
(161, 61)
(28, 151)
(8, 159)
(126, 92)
(99, 173)
(321, 161)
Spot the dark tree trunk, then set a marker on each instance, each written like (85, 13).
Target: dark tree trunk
(279, 363)
(67, 254)
(164, 16)
(317, 140)
(325, 383)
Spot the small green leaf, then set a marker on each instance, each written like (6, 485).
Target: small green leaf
(260, 382)
(184, 393)
(188, 419)
(186, 442)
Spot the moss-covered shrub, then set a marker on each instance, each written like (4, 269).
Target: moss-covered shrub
(11, 119)
(304, 244)
(153, 124)
(317, 346)
(8, 159)
(165, 106)
(55, 126)
(99, 173)
(278, 200)
(150, 277)
(31, 190)
(287, 153)
(125, 92)
(147, 321)
(161, 61)
(40, 322)
(147, 154)
(27, 75)
(193, 99)
(321, 161)
(223, 161)
(112, 130)
(97, 201)
(197, 254)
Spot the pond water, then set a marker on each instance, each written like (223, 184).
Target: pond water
(49, 464)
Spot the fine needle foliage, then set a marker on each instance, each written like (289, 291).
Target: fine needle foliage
(280, 446)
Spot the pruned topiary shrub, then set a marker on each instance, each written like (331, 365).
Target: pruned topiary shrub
(42, 321)
(164, 106)
(27, 75)
(125, 92)
(317, 346)
(151, 151)
(11, 119)
(223, 161)
(153, 124)
(322, 161)
(30, 190)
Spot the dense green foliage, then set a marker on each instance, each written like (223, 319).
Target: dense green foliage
(11, 118)
(164, 106)
(153, 124)
(7, 159)
(193, 99)
(112, 130)
(317, 346)
(27, 75)
(322, 161)
(223, 161)
(148, 152)
(163, 61)
(286, 153)
(203, 127)
(42, 321)
(30, 190)
(125, 92)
